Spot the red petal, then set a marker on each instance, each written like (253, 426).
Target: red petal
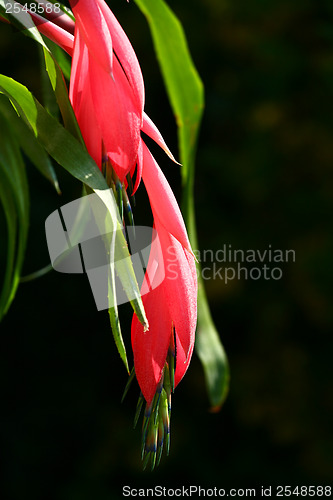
(139, 165)
(89, 127)
(150, 348)
(171, 304)
(180, 286)
(117, 116)
(81, 99)
(149, 128)
(95, 31)
(125, 54)
(162, 199)
(182, 361)
(63, 20)
(58, 35)
(79, 71)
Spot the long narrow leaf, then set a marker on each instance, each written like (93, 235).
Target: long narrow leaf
(15, 201)
(61, 57)
(28, 142)
(183, 84)
(9, 284)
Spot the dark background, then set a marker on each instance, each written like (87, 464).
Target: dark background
(264, 177)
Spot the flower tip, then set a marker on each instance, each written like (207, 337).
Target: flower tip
(149, 128)
(174, 159)
(170, 155)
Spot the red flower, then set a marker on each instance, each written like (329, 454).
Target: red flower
(171, 307)
(107, 93)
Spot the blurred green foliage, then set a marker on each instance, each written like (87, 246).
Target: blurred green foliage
(264, 177)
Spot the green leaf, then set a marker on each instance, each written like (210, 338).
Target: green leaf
(61, 57)
(61, 93)
(183, 84)
(24, 22)
(20, 19)
(71, 155)
(28, 142)
(56, 140)
(15, 201)
(208, 345)
(64, 8)
(10, 283)
(116, 331)
(186, 95)
(49, 99)
(211, 352)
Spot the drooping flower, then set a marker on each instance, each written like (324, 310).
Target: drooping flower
(107, 95)
(170, 307)
(163, 353)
